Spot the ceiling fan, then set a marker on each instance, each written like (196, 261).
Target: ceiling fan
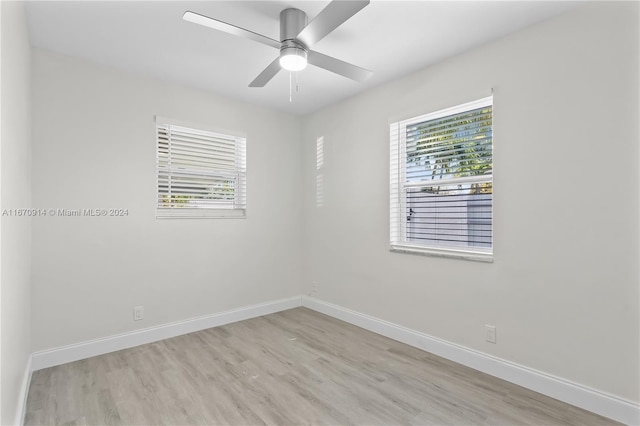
(296, 39)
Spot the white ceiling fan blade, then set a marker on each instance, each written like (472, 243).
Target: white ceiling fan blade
(265, 76)
(330, 18)
(339, 67)
(196, 18)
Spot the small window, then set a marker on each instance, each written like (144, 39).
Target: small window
(201, 173)
(442, 182)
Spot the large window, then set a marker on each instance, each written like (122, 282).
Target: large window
(442, 182)
(201, 173)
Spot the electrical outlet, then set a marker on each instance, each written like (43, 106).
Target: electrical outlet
(138, 313)
(314, 288)
(491, 333)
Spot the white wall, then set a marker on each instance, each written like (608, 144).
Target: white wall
(563, 290)
(94, 146)
(16, 193)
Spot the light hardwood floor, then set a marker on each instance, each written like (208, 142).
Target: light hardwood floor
(291, 368)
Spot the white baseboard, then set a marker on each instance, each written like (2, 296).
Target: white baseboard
(572, 393)
(24, 392)
(75, 352)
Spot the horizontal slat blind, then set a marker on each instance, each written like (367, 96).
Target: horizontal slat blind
(441, 179)
(452, 146)
(455, 216)
(199, 171)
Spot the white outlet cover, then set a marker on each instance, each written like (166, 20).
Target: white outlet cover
(491, 333)
(138, 313)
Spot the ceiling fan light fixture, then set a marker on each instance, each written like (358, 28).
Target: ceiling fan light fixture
(293, 58)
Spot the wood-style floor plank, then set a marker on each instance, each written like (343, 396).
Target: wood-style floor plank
(295, 367)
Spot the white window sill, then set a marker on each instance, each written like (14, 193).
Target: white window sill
(201, 214)
(476, 256)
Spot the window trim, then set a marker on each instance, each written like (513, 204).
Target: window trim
(397, 177)
(201, 213)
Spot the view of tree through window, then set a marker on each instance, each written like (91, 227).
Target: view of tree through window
(444, 187)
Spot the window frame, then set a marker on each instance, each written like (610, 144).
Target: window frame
(240, 140)
(399, 186)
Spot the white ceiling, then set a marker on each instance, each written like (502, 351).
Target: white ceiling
(391, 38)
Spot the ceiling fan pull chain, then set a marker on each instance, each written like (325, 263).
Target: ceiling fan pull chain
(290, 87)
(296, 82)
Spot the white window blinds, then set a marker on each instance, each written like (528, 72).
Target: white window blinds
(442, 182)
(200, 173)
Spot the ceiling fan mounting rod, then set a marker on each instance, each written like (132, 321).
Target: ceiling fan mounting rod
(292, 21)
